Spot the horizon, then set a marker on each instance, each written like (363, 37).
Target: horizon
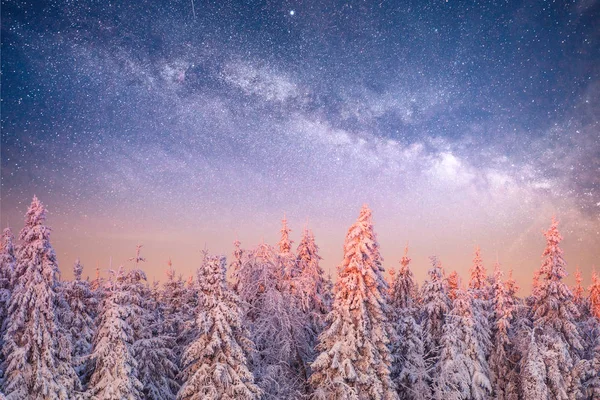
(420, 266)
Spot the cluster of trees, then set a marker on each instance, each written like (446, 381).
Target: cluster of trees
(279, 329)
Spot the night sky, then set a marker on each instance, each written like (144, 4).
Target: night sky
(181, 125)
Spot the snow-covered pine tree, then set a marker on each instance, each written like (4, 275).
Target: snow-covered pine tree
(554, 317)
(594, 296)
(215, 364)
(481, 295)
(435, 304)
(310, 288)
(454, 283)
(591, 375)
(355, 360)
(478, 282)
(578, 289)
(82, 306)
(152, 348)
(463, 372)
(115, 376)
(502, 358)
(409, 370)
(533, 373)
(37, 354)
(277, 325)
(7, 272)
(236, 265)
(176, 310)
(287, 258)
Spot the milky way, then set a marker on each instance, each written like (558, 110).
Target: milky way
(150, 122)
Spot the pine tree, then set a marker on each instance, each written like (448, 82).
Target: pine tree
(177, 311)
(7, 278)
(478, 282)
(37, 355)
(236, 265)
(502, 353)
(578, 289)
(82, 306)
(277, 325)
(435, 304)
(355, 360)
(115, 376)
(310, 288)
(533, 373)
(152, 348)
(290, 267)
(481, 295)
(215, 363)
(594, 296)
(454, 284)
(554, 319)
(409, 370)
(463, 371)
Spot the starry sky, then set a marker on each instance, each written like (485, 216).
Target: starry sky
(182, 125)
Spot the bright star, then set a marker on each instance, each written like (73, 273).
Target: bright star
(292, 12)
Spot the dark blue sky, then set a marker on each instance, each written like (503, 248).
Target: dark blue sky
(133, 118)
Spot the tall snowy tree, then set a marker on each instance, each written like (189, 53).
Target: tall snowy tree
(463, 371)
(176, 310)
(7, 278)
(554, 320)
(115, 376)
(435, 304)
(80, 320)
(355, 360)
(215, 363)
(578, 289)
(454, 284)
(533, 373)
(594, 295)
(310, 288)
(287, 258)
(409, 370)
(501, 359)
(37, 354)
(481, 296)
(152, 348)
(277, 325)
(478, 282)
(236, 265)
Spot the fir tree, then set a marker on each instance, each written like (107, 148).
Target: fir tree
(37, 354)
(481, 295)
(501, 358)
(115, 376)
(554, 320)
(7, 278)
(236, 265)
(435, 304)
(578, 289)
(82, 306)
(177, 311)
(478, 282)
(311, 290)
(277, 325)
(533, 373)
(215, 363)
(594, 296)
(355, 360)
(409, 370)
(454, 284)
(152, 348)
(463, 371)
